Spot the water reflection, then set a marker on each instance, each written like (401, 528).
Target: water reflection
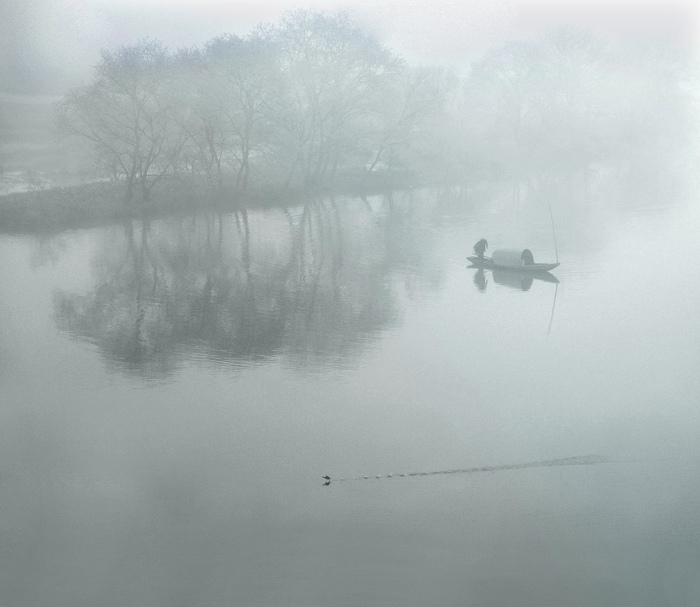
(211, 485)
(514, 280)
(518, 280)
(313, 283)
(480, 279)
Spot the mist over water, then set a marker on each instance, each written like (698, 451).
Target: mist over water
(173, 392)
(227, 377)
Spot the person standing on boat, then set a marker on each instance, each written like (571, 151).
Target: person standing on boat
(480, 247)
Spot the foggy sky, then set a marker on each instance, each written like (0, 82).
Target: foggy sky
(48, 46)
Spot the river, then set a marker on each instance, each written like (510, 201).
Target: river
(172, 393)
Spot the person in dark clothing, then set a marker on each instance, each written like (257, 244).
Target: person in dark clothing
(480, 247)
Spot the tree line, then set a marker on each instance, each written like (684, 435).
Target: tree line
(315, 99)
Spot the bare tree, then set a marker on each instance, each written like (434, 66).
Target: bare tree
(408, 106)
(331, 68)
(242, 96)
(126, 114)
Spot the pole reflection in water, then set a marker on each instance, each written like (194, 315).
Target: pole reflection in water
(519, 281)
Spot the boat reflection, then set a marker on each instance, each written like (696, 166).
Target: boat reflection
(512, 279)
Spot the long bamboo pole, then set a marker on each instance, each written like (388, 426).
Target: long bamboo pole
(553, 232)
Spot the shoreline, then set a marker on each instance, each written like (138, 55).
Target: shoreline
(98, 203)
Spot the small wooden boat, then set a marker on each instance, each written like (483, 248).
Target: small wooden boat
(517, 260)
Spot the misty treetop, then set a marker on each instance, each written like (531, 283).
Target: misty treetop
(315, 100)
(569, 99)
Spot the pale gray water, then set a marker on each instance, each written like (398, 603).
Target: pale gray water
(170, 402)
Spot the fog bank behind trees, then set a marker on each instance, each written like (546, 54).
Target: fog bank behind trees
(314, 101)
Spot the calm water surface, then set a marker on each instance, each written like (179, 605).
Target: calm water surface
(171, 395)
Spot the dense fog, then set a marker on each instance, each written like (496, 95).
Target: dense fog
(317, 100)
(372, 305)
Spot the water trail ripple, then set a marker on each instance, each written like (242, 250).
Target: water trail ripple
(581, 460)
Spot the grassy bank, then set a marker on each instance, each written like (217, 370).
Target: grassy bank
(94, 204)
(56, 209)
(47, 183)
(102, 203)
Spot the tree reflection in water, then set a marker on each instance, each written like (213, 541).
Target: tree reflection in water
(312, 283)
